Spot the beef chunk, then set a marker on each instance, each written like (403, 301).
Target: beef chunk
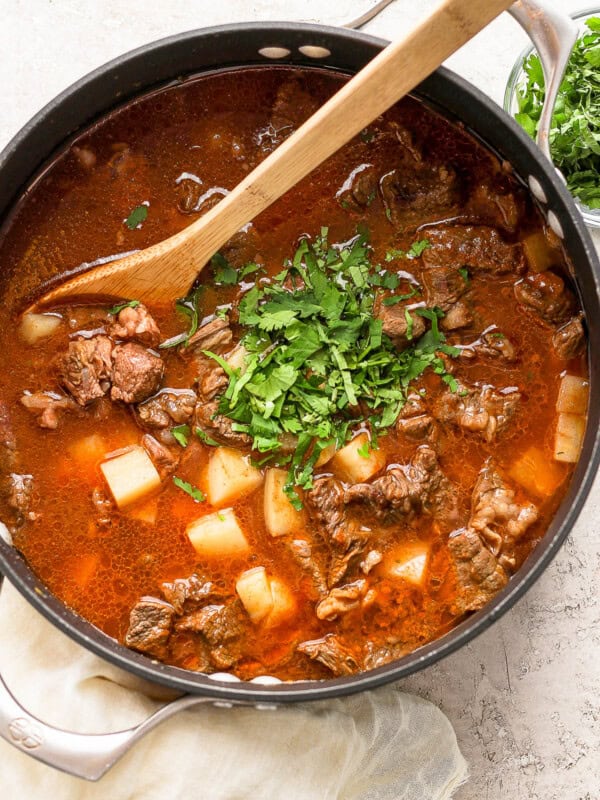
(211, 379)
(184, 592)
(396, 324)
(496, 517)
(476, 246)
(418, 429)
(150, 625)
(484, 552)
(164, 459)
(218, 623)
(341, 600)
(48, 407)
(406, 491)
(293, 104)
(568, 341)
(345, 538)
(136, 324)
(444, 286)
(479, 576)
(458, 316)
(168, 407)
(359, 189)
(492, 207)
(414, 422)
(545, 294)
(215, 336)
(491, 344)
(218, 427)
(85, 369)
(331, 652)
(136, 373)
(19, 491)
(481, 409)
(419, 192)
(302, 551)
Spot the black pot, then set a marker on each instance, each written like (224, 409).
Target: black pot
(242, 44)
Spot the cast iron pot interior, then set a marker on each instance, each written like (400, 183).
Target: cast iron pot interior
(237, 45)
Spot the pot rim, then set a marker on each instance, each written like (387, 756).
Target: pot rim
(13, 565)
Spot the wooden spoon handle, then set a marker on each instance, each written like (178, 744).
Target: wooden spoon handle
(167, 269)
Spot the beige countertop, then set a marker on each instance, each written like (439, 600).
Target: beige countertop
(525, 696)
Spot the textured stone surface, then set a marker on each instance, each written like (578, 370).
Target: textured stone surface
(524, 697)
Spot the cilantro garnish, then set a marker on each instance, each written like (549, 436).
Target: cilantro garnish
(414, 251)
(464, 274)
(196, 494)
(205, 438)
(365, 449)
(227, 275)
(137, 217)
(575, 129)
(189, 306)
(120, 306)
(318, 364)
(181, 434)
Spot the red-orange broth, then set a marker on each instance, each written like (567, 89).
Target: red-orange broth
(178, 150)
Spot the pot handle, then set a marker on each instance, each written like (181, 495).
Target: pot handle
(553, 34)
(84, 755)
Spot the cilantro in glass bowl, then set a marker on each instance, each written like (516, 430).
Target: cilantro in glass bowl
(575, 131)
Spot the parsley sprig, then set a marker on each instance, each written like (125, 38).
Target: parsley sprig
(318, 363)
(575, 130)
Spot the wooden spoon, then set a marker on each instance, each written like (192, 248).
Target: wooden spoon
(167, 270)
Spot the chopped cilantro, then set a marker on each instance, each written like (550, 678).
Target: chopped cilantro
(196, 494)
(181, 434)
(388, 213)
(189, 306)
(417, 248)
(365, 449)
(318, 363)
(137, 217)
(464, 273)
(120, 306)
(575, 128)
(497, 335)
(205, 438)
(225, 274)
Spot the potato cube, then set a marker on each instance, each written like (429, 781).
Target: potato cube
(230, 476)
(284, 604)
(130, 476)
(407, 562)
(570, 430)
(536, 472)
(351, 466)
(217, 534)
(281, 517)
(326, 455)
(254, 590)
(540, 256)
(573, 395)
(39, 326)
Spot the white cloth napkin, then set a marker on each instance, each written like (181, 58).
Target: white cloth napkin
(381, 745)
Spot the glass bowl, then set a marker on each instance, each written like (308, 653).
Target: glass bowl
(516, 79)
